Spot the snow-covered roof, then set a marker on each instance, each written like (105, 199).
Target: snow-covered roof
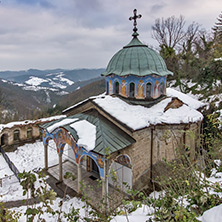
(137, 116)
(92, 131)
(191, 102)
(60, 123)
(27, 122)
(86, 133)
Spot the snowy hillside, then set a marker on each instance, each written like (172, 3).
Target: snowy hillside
(51, 80)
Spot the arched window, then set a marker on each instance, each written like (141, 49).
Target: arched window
(116, 90)
(132, 90)
(148, 90)
(107, 88)
(123, 173)
(16, 135)
(161, 88)
(4, 139)
(29, 133)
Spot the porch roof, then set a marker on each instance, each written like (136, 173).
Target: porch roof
(109, 138)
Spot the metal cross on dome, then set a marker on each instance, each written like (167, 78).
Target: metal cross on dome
(135, 17)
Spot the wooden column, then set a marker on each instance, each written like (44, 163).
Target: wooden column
(79, 177)
(103, 188)
(60, 168)
(46, 155)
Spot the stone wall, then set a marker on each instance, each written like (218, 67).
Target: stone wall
(158, 143)
(26, 133)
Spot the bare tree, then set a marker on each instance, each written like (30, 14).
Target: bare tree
(169, 32)
(191, 37)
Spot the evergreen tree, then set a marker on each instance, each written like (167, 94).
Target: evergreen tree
(217, 29)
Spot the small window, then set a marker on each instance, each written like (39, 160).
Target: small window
(107, 88)
(148, 90)
(29, 133)
(16, 134)
(116, 87)
(132, 90)
(161, 88)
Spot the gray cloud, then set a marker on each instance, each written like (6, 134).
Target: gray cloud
(82, 33)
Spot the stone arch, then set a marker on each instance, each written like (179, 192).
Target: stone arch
(132, 90)
(4, 139)
(122, 169)
(16, 135)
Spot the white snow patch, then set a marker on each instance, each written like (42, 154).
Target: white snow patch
(4, 169)
(137, 117)
(60, 123)
(139, 215)
(86, 133)
(35, 81)
(26, 122)
(212, 215)
(218, 59)
(67, 206)
(62, 93)
(27, 157)
(191, 102)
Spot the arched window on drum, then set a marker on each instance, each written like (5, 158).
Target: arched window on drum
(161, 88)
(132, 90)
(116, 89)
(107, 88)
(148, 90)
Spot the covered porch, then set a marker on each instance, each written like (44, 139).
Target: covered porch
(91, 140)
(91, 187)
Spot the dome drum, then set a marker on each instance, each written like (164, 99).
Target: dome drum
(135, 87)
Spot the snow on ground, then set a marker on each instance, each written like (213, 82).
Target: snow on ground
(139, 215)
(27, 157)
(4, 169)
(60, 77)
(75, 202)
(35, 81)
(31, 156)
(212, 215)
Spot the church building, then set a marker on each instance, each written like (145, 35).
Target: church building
(130, 128)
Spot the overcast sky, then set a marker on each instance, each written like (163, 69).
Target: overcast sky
(69, 34)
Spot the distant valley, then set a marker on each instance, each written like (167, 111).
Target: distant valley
(28, 93)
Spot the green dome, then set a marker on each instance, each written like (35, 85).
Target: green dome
(137, 59)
